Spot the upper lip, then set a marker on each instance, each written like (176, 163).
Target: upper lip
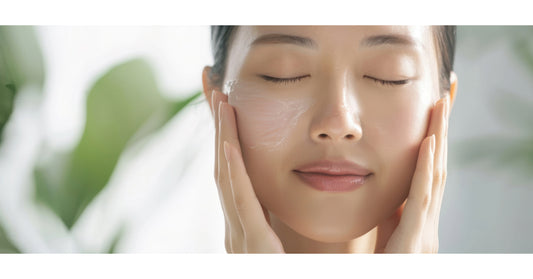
(331, 167)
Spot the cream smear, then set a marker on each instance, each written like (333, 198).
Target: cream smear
(265, 120)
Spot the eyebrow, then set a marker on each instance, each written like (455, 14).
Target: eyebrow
(285, 39)
(379, 40)
(371, 41)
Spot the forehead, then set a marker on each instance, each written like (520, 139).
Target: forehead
(336, 36)
(336, 42)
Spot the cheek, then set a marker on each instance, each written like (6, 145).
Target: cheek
(267, 127)
(395, 132)
(263, 122)
(402, 127)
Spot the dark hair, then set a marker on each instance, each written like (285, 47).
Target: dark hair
(445, 37)
(220, 41)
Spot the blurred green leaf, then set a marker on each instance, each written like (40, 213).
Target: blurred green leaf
(511, 151)
(514, 110)
(122, 103)
(514, 150)
(483, 36)
(6, 246)
(116, 240)
(21, 63)
(524, 52)
(497, 153)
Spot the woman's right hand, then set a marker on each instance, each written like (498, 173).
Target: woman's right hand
(248, 227)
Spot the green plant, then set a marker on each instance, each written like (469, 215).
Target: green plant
(514, 150)
(122, 103)
(123, 107)
(21, 65)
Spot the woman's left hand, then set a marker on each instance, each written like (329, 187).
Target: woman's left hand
(414, 227)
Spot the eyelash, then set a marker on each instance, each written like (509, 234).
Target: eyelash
(283, 80)
(295, 79)
(387, 82)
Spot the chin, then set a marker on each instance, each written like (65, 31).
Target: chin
(331, 230)
(335, 234)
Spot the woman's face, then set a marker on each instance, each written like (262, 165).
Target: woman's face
(360, 95)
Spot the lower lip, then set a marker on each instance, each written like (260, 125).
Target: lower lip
(332, 183)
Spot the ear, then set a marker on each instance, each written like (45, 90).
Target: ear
(208, 86)
(453, 87)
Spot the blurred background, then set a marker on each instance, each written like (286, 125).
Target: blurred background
(106, 143)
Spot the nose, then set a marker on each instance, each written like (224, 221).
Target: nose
(337, 119)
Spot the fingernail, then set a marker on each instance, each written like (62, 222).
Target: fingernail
(442, 101)
(226, 150)
(220, 111)
(444, 105)
(432, 143)
(213, 101)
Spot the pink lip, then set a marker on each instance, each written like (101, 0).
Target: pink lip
(333, 176)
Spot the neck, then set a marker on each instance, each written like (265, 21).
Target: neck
(294, 242)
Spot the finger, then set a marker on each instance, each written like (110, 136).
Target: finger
(437, 127)
(440, 170)
(214, 110)
(227, 129)
(445, 166)
(223, 182)
(430, 241)
(248, 207)
(443, 186)
(408, 234)
(216, 98)
(258, 234)
(215, 102)
(227, 238)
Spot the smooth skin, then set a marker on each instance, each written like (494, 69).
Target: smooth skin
(413, 228)
(396, 120)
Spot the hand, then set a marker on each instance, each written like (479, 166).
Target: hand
(248, 227)
(414, 227)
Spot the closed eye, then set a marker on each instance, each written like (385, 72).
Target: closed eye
(387, 82)
(283, 80)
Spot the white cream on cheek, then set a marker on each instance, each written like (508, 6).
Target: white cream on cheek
(265, 120)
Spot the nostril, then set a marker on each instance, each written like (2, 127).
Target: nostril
(325, 136)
